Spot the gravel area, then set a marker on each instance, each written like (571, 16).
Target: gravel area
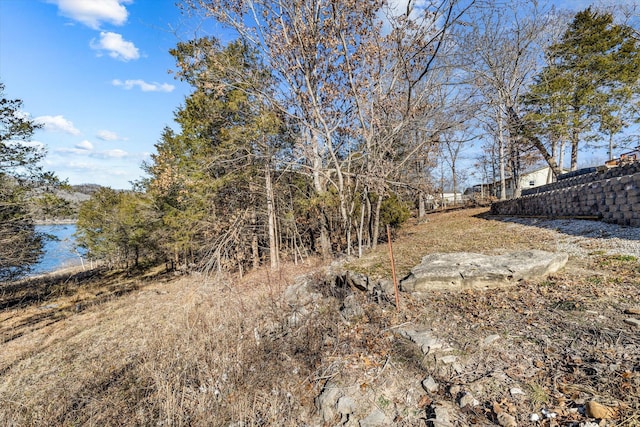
(582, 237)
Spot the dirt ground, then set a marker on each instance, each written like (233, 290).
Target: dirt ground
(157, 349)
(542, 351)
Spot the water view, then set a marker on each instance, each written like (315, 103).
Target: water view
(59, 253)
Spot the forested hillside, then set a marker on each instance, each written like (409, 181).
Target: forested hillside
(60, 202)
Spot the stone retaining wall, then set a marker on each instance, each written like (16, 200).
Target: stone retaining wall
(612, 195)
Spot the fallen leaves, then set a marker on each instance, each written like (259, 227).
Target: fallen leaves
(600, 411)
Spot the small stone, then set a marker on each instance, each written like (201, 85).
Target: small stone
(346, 405)
(515, 391)
(440, 414)
(423, 338)
(454, 390)
(430, 385)
(534, 417)
(385, 286)
(448, 359)
(375, 419)
(507, 420)
(467, 399)
(430, 345)
(351, 308)
(600, 411)
(359, 281)
(491, 339)
(632, 321)
(327, 402)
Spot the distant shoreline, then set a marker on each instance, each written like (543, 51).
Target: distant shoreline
(54, 221)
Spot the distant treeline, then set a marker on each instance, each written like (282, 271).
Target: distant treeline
(59, 202)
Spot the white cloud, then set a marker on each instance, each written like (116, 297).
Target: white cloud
(144, 86)
(84, 145)
(86, 149)
(92, 12)
(107, 135)
(75, 150)
(114, 154)
(117, 47)
(57, 124)
(400, 7)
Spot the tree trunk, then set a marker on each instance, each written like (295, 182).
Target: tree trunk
(574, 151)
(369, 219)
(422, 210)
(325, 242)
(361, 226)
(611, 146)
(271, 219)
(563, 149)
(255, 248)
(376, 223)
(515, 168)
(455, 182)
(554, 154)
(501, 157)
(521, 130)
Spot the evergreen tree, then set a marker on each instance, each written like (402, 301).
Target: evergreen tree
(591, 77)
(20, 244)
(116, 227)
(212, 181)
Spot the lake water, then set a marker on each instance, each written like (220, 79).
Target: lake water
(57, 253)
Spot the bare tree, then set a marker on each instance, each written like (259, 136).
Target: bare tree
(504, 49)
(357, 77)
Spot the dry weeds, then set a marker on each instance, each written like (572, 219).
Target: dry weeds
(165, 350)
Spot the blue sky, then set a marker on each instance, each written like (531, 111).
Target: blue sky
(94, 73)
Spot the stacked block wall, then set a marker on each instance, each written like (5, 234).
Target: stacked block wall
(612, 195)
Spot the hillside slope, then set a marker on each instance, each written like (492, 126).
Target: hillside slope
(109, 349)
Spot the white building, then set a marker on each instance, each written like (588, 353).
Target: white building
(443, 200)
(531, 179)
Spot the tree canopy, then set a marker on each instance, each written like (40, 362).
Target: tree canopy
(20, 245)
(589, 83)
(323, 121)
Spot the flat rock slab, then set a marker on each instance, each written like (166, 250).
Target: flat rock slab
(422, 337)
(464, 270)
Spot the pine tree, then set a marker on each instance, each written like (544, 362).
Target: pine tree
(20, 244)
(117, 227)
(213, 180)
(591, 77)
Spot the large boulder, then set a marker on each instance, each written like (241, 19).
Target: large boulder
(464, 270)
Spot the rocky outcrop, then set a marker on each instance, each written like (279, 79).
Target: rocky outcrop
(463, 270)
(379, 398)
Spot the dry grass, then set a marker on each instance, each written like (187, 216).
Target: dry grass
(166, 352)
(114, 350)
(466, 230)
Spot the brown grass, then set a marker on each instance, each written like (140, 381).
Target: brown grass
(111, 349)
(174, 352)
(468, 230)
